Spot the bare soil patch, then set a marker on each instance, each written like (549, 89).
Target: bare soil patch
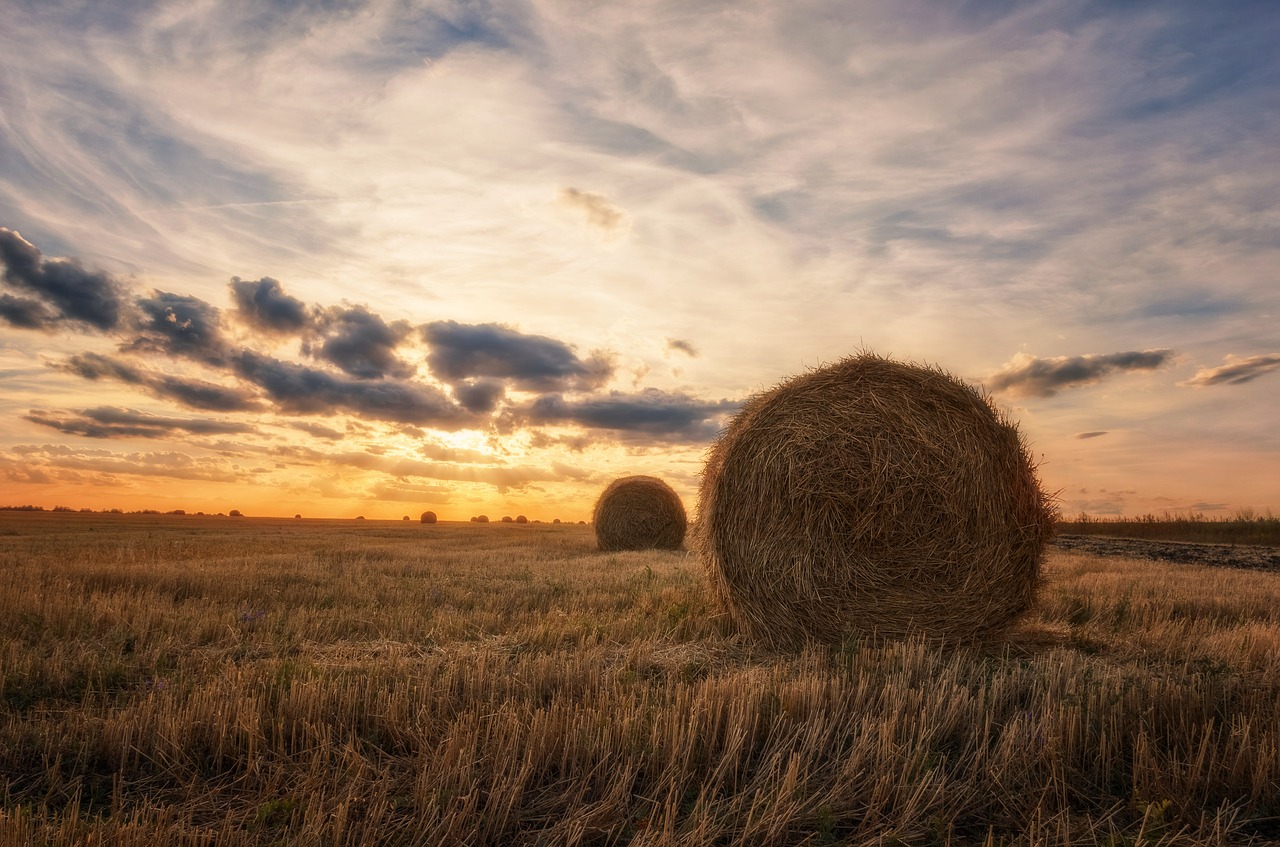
(1246, 556)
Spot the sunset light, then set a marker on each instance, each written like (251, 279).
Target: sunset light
(377, 258)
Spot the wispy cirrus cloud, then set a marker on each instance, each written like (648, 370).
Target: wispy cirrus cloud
(1033, 376)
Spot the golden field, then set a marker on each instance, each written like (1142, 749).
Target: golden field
(202, 680)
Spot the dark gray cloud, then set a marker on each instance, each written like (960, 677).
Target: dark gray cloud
(361, 343)
(263, 305)
(115, 422)
(1236, 371)
(193, 393)
(303, 390)
(1094, 434)
(179, 325)
(67, 291)
(1033, 376)
(651, 413)
(25, 313)
(461, 352)
(95, 366)
(480, 396)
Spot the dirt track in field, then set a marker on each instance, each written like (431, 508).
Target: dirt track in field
(1246, 556)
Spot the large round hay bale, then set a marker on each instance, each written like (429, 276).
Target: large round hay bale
(872, 497)
(639, 513)
(428, 517)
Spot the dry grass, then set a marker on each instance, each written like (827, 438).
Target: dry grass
(872, 496)
(1244, 528)
(639, 513)
(184, 680)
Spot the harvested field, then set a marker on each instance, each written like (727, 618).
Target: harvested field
(192, 680)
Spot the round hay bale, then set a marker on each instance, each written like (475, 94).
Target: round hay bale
(481, 518)
(428, 517)
(639, 513)
(872, 497)
(508, 519)
(521, 519)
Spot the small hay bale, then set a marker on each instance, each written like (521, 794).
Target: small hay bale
(521, 519)
(508, 519)
(639, 513)
(872, 497)
(481, 518)
(428, 517)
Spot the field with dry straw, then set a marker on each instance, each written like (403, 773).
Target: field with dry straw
(198, 680)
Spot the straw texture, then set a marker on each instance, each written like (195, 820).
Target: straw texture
(872, 497)
(639, 513)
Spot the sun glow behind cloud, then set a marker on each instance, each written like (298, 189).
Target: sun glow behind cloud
(1081, 192)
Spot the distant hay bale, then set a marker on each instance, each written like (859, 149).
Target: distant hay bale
(872, 496)
(359, 517)
(235, 513)
(521, 519)
(508, 519)
(428, 517)
(557, 520)
(639, 513)
(405, 518)
(295, 517)
(482, 519)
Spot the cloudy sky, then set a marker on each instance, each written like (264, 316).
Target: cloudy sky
(346, 258)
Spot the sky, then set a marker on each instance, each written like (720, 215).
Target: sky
(372, 258)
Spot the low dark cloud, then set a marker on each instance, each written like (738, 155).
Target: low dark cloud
(1033, 376)
(481, 396)
(1094, 434)
(460, 352)
(652, 413)
(25, 313)
(316, 430)
(115, 422)
(361, 343)
(262, 304)
(193, 393)
(304, 390)
(65, 289)
(179, 325)
(1236, 371)
(95, 366)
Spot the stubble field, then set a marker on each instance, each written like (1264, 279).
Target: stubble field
(198, 680)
